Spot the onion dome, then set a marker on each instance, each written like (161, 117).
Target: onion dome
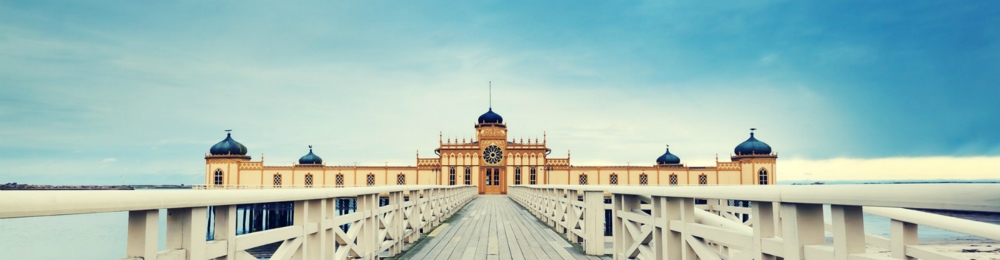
(668, 158)
(490, 118)
(310, 158)
(228, 146)
(752, 146)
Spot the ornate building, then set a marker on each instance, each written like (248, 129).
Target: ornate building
(491, 162)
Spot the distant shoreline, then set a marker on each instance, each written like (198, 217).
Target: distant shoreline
(15, 186)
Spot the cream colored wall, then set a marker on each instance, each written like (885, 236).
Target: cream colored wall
(229, 167)
(749, 167)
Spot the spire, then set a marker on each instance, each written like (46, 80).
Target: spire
(491, 95)
(751, 131)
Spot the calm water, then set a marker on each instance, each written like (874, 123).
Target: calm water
(102, 236)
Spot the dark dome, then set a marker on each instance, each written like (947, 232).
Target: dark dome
(228, 146)
(752, 146)
(668, 158)
(490, 117)
(310, 158)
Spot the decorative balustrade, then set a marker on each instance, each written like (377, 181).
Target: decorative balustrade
(782, 221)
(315, 233)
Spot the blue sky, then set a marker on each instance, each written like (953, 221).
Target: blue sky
(99, 91)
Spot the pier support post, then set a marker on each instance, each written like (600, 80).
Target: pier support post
(186, 231)
(803, 226)
(848, 231)
(142, 234)
(225, 228)
(903, 234)
(593, 222)
(764, 227)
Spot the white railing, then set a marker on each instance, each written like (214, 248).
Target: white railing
(315, 232)
(783, 221)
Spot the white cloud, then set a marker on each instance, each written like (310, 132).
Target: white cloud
(896, 168)
(109, 160)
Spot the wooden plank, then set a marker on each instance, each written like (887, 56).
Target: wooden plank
(524, 241)
(535, 234)
(494, 227)
(482, 228)
(468, 233)
(436, 244)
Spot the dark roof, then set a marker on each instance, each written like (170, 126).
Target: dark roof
(228, 146)
(490, 118)
(752, 146)
(668, 158)
(310, 158)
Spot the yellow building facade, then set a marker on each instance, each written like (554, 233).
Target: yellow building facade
(491, 162)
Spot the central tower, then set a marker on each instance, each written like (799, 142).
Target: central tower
(492, 135)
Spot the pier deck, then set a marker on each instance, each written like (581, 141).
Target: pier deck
(494, 227)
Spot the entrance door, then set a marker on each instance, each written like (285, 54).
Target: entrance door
(492, 181)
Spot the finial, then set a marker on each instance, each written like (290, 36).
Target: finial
(310, 147)
(228, 132)
(751, 131)
(491, 95)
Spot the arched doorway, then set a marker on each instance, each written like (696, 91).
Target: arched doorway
(492, 181)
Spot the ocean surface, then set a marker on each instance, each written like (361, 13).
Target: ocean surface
(103, 235)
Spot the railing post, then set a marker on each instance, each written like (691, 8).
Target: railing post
(903, 234)
(396, 226)
(142, 233)
(568, 211)
(686, 214)
(763, 227)
(803, 225)
(414, 218)
(593, 222)
(308, 214)
(368, 235)
(225, 228)
(186, 231)
(623, 234)
(425, 210)
(848, 231)
(329, 238)
(554, 210)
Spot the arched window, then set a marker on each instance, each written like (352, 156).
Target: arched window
(277, 180)
(531, 176)
(614, 179)
(468, 176)
(218, 176)
(309, 180)
(517, 176)
(673, 179)
(371, 179)
(702, 179)
(643, 179)
(451, 176)
(401, 179)
(339, 180)
(583, 179)
(762, 177)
